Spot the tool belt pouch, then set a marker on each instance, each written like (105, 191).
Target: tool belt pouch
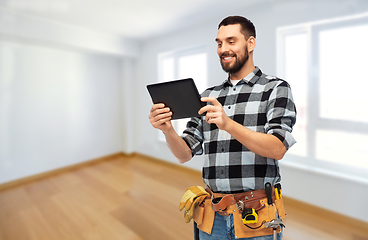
(266, 214)
(204, 216)
(280, 208)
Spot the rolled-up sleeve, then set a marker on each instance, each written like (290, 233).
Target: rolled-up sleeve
(193, 135)
(281, 114)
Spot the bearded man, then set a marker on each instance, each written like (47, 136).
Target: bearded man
(245, 132)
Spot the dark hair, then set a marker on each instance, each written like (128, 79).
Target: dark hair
(247, 26)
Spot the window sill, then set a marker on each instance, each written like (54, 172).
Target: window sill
(332, 170)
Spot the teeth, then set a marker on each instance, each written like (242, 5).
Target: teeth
(227, 58)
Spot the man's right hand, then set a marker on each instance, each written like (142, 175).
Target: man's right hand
(160, 117)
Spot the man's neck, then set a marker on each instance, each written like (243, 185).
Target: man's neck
(244, 71)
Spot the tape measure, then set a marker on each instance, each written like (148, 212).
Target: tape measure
(250, 215)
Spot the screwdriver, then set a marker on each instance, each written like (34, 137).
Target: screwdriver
(278, 191)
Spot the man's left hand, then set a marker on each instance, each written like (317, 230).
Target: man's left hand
(215, 113)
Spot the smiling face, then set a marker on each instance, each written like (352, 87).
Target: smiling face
(232, 48)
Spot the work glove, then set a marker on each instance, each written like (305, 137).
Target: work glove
(193, 196)
(188, 214)
(190, 195)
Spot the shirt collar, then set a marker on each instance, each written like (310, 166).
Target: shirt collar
(250, 79)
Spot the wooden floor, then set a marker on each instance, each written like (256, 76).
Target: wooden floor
(130, 198)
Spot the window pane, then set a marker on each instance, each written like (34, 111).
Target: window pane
(167, 69)
(296, 75)
(342, 147)
(194, 66)
(343, 78)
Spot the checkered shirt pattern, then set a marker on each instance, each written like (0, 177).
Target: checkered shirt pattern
(259, 102)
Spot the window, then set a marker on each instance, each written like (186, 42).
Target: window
(325, 65)
(190, 63)
(296, 73)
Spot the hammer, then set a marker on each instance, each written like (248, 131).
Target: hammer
(274, 224)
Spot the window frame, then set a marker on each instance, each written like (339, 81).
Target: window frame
(314, 120)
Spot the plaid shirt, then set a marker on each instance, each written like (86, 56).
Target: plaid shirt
(259, 102)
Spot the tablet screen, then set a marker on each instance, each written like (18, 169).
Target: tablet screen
(181, 96)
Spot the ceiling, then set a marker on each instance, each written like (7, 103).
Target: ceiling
(134, 19)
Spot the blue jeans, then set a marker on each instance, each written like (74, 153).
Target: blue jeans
(223, 228)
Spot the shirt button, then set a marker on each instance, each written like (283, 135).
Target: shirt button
(222, 150)
(229, 107)
(234, 89)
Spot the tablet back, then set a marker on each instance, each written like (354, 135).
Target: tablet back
(181, 96)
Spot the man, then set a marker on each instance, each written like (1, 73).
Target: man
(246, 129)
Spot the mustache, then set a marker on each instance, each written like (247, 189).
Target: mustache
(228, 54)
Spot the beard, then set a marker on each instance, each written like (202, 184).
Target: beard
(239, 62)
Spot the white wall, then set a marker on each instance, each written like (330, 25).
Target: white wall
(58, 107)
(127, 95)
(62, 91)
(300, 182)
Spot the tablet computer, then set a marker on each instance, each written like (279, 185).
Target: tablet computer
(181, 96)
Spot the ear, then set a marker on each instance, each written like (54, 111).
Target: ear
(251, 44)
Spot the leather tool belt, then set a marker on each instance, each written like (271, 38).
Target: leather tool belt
(233, 204)
(244, 200)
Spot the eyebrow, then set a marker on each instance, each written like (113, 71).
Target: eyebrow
(228, 38)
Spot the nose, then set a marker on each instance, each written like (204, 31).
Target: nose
(223, 49)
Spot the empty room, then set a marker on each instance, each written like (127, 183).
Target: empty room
(196, 119)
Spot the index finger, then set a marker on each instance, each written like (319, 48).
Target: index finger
(157, 106)
(213, 100)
